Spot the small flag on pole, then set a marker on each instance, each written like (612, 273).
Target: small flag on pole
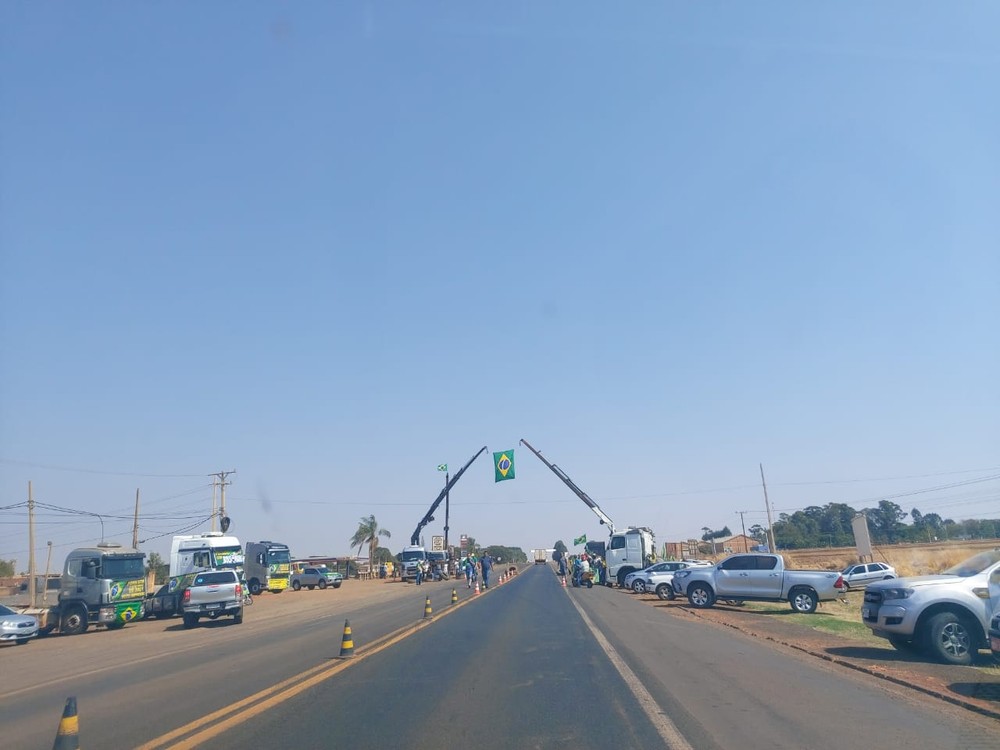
(580, 540)
(442, 467)
(503, 463)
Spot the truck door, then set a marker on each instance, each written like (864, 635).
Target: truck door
(766, 579)
(733, 577)
(633, 551)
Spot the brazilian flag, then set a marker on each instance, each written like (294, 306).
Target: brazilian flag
(580, 540)
(503, 464)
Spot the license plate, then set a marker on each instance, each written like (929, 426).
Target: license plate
(865, 613)
(994, 643)
(213, 606)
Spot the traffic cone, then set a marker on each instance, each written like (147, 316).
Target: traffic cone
(564, 581)
(347, 642)
(454, 596)
(477, 588)
(68, 736)
(427, 607)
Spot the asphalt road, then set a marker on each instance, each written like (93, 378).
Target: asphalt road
(517, 667)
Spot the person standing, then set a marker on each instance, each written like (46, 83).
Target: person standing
(420, 572)
(486, 563)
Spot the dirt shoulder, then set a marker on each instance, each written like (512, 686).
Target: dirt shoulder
(975, 688)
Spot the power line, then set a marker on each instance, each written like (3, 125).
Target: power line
(78, 470)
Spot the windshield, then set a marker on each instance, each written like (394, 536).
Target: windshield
(278, 556)
(974, 565)
(411, 555)
(6, 610)
(120, 568)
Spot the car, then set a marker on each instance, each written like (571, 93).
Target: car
(860, 575)
(312, 577)
(650, 579)
(15, 627)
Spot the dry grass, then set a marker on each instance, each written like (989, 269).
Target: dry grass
(907, 559)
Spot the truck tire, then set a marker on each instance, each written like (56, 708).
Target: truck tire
(666, 591)
(74, 621)
(322, 585)
(621, 576)
(190, 621)
(255, 588)
(949, 639)
(700, 596)
(238, 619)
(296, 585)
(803, 601)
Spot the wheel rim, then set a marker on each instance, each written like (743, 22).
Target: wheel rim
(74, 620)
(803, 602)
(637, 587)
(699, 596)
(955, 639)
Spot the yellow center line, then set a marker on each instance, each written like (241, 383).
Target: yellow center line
(236, 713)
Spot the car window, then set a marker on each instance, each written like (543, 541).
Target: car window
(739, 563)
(767, 563)
(211, 579)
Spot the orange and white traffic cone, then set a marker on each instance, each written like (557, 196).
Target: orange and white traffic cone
(563, 579)
(477, 588)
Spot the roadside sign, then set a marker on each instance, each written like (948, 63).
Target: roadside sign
(437, 544)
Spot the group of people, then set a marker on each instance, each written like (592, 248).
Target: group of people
(585, 566)
(473, 565)
(430, 570)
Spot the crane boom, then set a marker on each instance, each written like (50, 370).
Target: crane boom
(587, 499)
(415, 539)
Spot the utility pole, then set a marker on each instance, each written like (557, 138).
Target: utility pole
(31, 547)
(215, 486)
(447, 501)
(767, 505)
(48, 563)
(744, 525)
(221, 475)
(135, 523)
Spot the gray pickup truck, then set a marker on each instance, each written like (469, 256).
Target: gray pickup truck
(319, 576)
(212, 594)
(755, 577)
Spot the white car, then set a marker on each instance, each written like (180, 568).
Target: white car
(860, 575)
(653, 578)
(15, 627)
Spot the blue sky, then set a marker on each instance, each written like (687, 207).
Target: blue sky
(332, 245)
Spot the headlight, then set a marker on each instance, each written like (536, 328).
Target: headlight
(896, 594)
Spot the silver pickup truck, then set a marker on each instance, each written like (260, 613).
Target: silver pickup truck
(756, 577)
(946, 615)
(212, 594)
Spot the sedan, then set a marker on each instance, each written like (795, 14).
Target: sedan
(858, 576)
(658, 577)
(16, 627)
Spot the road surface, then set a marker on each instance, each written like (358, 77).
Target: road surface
(528, 664)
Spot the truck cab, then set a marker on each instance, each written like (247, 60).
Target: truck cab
(103, 585)
(628, 551)
(409, 559)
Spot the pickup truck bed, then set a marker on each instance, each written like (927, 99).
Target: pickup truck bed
(213, 594)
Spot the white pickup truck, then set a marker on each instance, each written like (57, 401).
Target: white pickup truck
(212, 594)
(946, 615)
(753, 577)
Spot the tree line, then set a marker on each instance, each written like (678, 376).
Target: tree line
(830, 526)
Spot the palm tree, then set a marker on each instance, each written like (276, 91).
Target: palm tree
(368, 533)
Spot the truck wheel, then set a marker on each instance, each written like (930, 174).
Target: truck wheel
(190, 621)
(238, 619)
(803, 601)
(666, 591)
(74, 621)
(700, 596)
(949, 639)
(621, 576)
(322, 585)
(255, 588)
(296, 585)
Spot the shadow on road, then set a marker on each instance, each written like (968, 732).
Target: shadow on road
(875, 653)
(984, 691)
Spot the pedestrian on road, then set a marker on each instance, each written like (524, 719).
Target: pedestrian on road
(487, 565)
(420, 572)
(470, 572)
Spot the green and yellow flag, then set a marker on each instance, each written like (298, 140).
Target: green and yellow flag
(503, 464)
(442, 467)
(580, 540)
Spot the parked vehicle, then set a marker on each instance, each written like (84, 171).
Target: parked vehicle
(754, 577)
(102, 585)
(267, 565)
(313, 577)
(411, 556)
(946, 615)
(15, 627)
(191, 554)
(213, 594)
(857, 576)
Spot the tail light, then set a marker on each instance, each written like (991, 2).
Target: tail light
(239, 590)
(187, 596)
(840, 582)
